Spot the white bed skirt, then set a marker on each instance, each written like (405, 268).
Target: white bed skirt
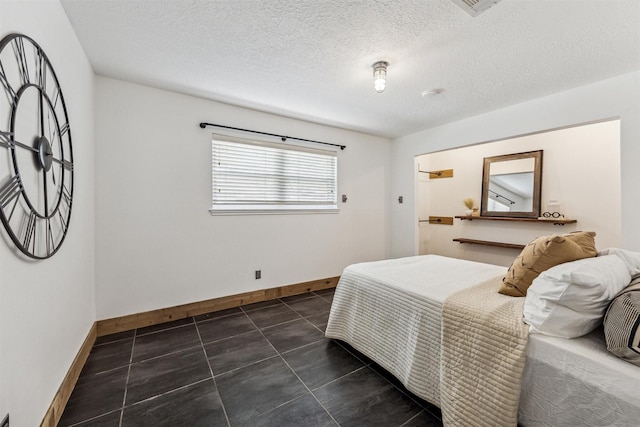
(577, 382)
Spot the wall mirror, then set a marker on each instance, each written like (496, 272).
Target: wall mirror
(511, 185)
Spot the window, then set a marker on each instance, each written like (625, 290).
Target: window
(252, 177)
(496, 206)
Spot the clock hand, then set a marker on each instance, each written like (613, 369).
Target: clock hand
(40, 107)
(64, 163)
(46, 196)
(6, 140)
(21, 145)
(67, 164)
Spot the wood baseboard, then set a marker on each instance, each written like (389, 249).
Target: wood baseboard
(54, 413)
(162, 315)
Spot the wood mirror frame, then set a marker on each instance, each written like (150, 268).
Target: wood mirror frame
(524, 179)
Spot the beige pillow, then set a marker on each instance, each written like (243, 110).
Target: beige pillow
(543, 253)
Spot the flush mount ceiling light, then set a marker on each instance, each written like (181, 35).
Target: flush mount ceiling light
(380, 75)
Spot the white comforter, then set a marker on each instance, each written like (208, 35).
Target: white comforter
(405, 337)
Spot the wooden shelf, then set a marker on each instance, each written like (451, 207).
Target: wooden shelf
(488, 243)
(554, 221)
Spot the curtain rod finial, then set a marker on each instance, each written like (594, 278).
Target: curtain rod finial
(203, 125)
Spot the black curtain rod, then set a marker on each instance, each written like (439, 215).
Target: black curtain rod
(282, 137)
(500, 195)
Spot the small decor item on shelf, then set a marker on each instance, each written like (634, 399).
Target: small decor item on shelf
(469, 203)
(475, 211)
(553, 211)
(553, 206)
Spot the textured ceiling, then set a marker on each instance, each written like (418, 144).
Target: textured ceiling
(312, 60)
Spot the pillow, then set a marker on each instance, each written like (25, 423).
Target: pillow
(622, 324)
(570, 299)
(632, 259)
(543, 253)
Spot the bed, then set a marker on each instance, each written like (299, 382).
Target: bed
(392, 311)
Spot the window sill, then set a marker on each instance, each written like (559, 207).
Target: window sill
(272, 211)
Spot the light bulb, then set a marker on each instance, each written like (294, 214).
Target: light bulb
(380, 76)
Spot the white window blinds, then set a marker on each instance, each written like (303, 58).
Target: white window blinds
(250, 176)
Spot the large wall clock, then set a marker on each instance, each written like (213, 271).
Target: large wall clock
(36, 161)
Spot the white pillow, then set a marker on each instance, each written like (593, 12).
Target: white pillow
(631, 259)
(570, 299)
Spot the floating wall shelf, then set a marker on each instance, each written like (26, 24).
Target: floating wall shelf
(554, 221)
(488, 243)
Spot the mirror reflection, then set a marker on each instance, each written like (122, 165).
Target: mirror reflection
(511, 185)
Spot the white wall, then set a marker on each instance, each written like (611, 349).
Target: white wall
(157, 244)
(580, 169)
(47, 307)
(613, 98)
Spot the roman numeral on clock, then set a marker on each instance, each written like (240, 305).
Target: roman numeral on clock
(5, 139)
(66, 195)
(8, 90)
(9, 191)
(29, 231)
(41, 71)
(21, 58)
(49, 236)
(64, 129)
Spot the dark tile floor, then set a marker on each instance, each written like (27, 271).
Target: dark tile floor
(264, 364)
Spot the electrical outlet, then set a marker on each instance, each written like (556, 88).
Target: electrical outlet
(5, 421)
(258, 276)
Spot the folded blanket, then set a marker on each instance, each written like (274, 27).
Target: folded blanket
(483, 355)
